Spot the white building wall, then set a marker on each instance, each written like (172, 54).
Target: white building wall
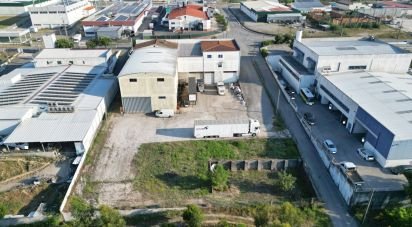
(190, 64)
(57, 15)
(188, 22)
(248, 12)
(17, 10)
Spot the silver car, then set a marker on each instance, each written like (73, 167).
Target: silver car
(365, 154)
(330, 146)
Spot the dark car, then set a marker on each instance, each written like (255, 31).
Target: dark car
(401, 169)
(309, 118)
(290, 92)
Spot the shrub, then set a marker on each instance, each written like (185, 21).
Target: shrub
(64, 43)
(193, 216)
(286, 182)
(219, 178)
(262, 216)
(375, 25)
(266, 43)
(111, 217)
(291, 215)
(264, 52)
(3, 210)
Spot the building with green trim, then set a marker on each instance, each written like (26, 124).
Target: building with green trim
(270, 11)
(18, 7)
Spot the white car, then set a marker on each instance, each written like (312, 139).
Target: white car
(365, 154)
(330, 146)
(220, 88)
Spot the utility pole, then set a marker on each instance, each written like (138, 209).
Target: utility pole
(367, 208)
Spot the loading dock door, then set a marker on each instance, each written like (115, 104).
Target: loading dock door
(137, 104)
(209, 78)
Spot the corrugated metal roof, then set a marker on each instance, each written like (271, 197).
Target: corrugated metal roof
(151, 59)
(72, 53)
(383, 106)
(221, 122)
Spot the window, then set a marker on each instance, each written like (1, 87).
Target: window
(354, 67)
(49, 62)
(53, 12)
(132, 80)
(59, 62)
(84, 62)
(172, 22)
(71, 62)
(62, 11)
(43, 12)
(220, 56)
(160, 79)
(219, 64)
(209, 56)
(34, 12)
(162, 97)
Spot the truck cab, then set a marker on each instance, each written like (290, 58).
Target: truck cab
(254, 127)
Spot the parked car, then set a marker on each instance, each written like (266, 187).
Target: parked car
(309, 118)
(220, 88)
(200, 85)
(164, 113)
(365, 154)
(19, 146)
(330, 146)
(401, 169)
(291, 92)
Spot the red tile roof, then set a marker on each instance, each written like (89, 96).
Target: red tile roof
(190, 10)
(225, 45)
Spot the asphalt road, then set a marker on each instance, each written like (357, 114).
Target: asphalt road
(327, 190)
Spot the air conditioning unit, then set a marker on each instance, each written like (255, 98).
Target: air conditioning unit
(326, 69)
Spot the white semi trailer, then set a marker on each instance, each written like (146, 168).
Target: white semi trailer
(226, 128)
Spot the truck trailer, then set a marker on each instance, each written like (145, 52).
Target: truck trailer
(226, 128)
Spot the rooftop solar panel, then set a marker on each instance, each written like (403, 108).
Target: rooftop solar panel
(102, 18)
(121, 18)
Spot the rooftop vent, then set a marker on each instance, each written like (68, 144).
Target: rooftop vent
(345, 48)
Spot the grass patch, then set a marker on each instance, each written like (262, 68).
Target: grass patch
(14, 166)
(278, 123)
(25, 200)
(152, 219)
(178, 170)
(8, 21)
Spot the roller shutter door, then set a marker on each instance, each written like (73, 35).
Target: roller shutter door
(137, 104)
(209, 78)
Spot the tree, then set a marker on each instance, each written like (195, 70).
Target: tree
(110, 217)
(103, 41)
(286, 182)
(91, 43)
(289, 214)
(264, 52)
(64, 43)
(193, 216)
(399, 216)
(219, 177)
(3, 210)
(262, 216)
(82, 211)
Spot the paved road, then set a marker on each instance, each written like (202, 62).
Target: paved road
(327, 190)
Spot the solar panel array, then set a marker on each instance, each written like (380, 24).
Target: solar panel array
(103, 18)
(121, 18)
(22, 89)
(65, 89)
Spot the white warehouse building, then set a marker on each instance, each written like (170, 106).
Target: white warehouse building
(149, 80)
(60, 14)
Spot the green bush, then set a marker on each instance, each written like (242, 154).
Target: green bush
(64, 43)
(110, 217)
(3, 210)
(81, 211)
(286, 182)
(376, 25)
(264, 52)
(262, 216)
(219, 178)
(101, 41)
(266, 43)
(193, 216)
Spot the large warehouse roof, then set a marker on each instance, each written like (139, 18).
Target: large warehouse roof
(349, 46)
(387, 97)
(266, 6)
(156, 58)
(81, 87)
(73, 53)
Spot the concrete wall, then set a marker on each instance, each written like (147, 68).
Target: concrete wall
(259, 164)
(248, 12)
(148, 86)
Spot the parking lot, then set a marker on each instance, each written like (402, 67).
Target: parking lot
(114, 166)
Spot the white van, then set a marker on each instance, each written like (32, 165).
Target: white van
(164, 113)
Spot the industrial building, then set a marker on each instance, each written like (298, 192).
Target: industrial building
(15, 36)
(307, 6)
(150, 77)
(60, 14)
(189, 17)
(378, 107)
(57, 105)
(61, 104)
(128, 16)
(270, 11)
(66, 56)
(366, 81)
(19, 7)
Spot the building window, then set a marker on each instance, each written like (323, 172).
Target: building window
(43, 12)
(220, 56)
(49, 62)
(59, 62)
(53, 12)
(162, 97)
(71, 62)
(84, 62)
(354, 67)
(209, 56)
(34, 12)
(220, 64)
(62, 11)
(160, 79)
(172, 22)
(133, 80)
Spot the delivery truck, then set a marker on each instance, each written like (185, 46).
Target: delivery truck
(226, 128)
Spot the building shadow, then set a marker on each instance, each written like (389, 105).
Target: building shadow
(175, 132)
